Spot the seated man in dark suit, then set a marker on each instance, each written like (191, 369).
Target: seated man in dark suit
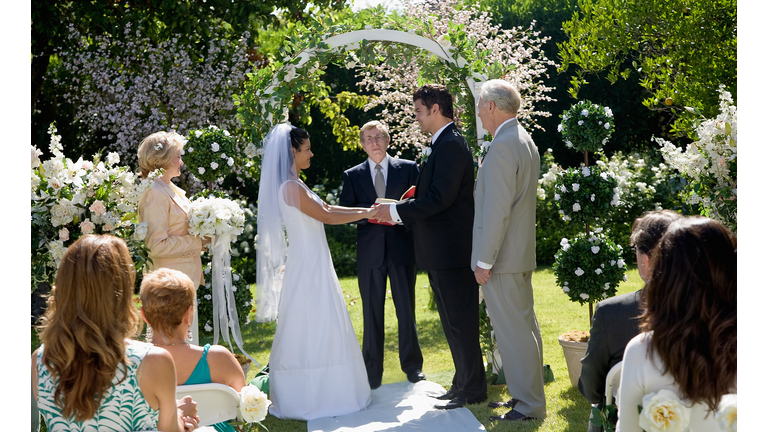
(616, 320)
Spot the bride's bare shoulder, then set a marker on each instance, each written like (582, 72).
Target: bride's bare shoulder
(292, 190)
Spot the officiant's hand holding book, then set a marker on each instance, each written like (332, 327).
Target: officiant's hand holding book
(406, 195)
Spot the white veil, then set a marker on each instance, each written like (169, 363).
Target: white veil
(271, 251)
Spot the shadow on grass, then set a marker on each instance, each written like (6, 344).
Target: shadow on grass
(574, 409)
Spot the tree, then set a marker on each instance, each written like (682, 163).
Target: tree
(683, 50)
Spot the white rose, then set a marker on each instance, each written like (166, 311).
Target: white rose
(560, 127)
(230, 161)
(598, 271)
(214, 165)
(576, 207)
(198, 133)
(595, 249)
(253, 404)
(607, 125)
(726, 413)
(585, 113)
(557, 197)
(223, 155)
(62, 213)
(664, 412)
(426, 151)
(581, 122)
(585, 296)
(87, 226)
(621, 263)
(215, 147)
(579, 271)
(201, 170)
(250, 150)
(585, 171)
(113, 158)
(566, 289)
(140, 231)
(607, 285)
(235, 277)
(576, 187)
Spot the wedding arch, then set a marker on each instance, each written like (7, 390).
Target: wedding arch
(351, 41)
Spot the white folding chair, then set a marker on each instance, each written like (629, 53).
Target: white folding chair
(612, 383)
(215, 402)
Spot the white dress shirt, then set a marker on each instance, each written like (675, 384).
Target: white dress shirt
(384, 168)
(392, 209)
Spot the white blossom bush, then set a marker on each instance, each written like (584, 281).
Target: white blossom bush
(210, 153)
(586, 195)
(74, 198)
(589, 268)
(514, 55)
(709, 164)
(124, 89)
(586, 126)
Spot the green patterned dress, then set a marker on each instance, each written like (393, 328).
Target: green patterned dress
(123, 407)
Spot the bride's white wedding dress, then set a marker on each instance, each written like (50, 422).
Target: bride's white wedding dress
(316, 367)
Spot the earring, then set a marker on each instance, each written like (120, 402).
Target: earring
(149, 334)
(189, 333)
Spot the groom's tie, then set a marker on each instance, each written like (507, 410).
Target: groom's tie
(381, 188)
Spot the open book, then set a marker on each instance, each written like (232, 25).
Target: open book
(407, 194)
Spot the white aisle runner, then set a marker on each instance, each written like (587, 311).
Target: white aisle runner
(401, 407)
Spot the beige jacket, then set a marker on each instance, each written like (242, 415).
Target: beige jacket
(164, 207)
(504, 229)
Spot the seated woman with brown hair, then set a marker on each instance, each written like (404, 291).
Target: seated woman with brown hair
(167, 298)
(689, 347)
(87, 373)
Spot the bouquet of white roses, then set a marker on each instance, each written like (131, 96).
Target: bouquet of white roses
(210, 217)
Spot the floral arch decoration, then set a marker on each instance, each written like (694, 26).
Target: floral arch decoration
(459, 48)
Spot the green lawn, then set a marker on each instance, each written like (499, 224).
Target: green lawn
(567, 410)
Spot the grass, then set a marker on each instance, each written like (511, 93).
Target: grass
(567, 410)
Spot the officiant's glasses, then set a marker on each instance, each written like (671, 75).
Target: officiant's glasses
(379, 138)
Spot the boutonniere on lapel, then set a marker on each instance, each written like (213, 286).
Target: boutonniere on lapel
(425, 152)
(481, 151)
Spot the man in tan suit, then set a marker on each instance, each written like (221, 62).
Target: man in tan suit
(504, 248)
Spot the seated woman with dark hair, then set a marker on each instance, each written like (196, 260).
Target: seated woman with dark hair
(167, 298)
(88, 374)
(689, 346)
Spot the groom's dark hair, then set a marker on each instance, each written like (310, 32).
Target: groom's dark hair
(431, 94)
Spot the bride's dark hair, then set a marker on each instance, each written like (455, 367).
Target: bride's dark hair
(690, 305)
(298, 136)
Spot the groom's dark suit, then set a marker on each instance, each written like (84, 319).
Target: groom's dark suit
(441, 216)
(381, 251)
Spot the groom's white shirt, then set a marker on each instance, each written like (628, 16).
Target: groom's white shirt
(392, 209)
(481, 264)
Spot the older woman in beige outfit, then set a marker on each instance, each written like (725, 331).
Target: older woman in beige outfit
(164, 207)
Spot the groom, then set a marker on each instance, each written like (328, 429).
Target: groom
(504, 248)
(441, 217)
(384, 251)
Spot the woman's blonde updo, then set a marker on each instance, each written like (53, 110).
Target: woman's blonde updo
(157, 150)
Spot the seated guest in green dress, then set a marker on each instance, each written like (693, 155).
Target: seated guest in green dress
(88, 375)
(167, 298)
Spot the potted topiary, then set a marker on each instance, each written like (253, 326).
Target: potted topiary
(588, 267)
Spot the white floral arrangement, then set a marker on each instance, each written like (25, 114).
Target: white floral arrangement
(210, 153)
(254, 406)
(208, 217)
(589, 268)
(709, 164)
(726, 413)
(74, 198)
(586, 194)
(664, 412)
(586, 126)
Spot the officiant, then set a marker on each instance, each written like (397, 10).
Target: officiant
(384, 250)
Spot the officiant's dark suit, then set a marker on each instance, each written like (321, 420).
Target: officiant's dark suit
(384, 251)
(441, 215)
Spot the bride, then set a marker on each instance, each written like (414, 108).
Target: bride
(316, 368)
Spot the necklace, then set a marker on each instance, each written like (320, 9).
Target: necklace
(175, 343)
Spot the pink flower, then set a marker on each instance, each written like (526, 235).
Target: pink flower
(87, 226)
(98, 208)
(63, 234)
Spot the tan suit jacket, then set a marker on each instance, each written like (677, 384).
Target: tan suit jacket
(164, 207)
(504, 229)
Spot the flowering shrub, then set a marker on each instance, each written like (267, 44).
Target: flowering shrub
(71, 199)
(709, 164)
(586, 194)
(331, 197)
(589, 268)
(586, 126)
(210, 153)
(243, 302)
(129, 87)
(243, 251)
